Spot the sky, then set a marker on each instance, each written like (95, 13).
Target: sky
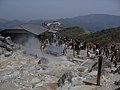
(56, 9)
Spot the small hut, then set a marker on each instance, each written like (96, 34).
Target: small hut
(21, 33)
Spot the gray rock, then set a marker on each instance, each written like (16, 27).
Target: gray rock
(17, 47)
(2, 44)
(7, 54)
(43, 67)
(116, 71)
(1, 51)
(65, 77)
(9, 48)
(8, 41)
(35, 80)
(43, 60)
(1, 38)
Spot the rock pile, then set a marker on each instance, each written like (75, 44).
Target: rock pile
(6, 46)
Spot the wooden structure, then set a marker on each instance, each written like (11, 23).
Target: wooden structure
(21, 33)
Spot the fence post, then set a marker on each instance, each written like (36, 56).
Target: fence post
(100, 59)
(73, 48)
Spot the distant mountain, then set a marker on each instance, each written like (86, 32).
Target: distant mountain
(92, 22)
(13, 23)
(36, 21)
(5, 23)
(2, 22)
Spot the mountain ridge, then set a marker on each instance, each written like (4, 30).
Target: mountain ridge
(92, 22)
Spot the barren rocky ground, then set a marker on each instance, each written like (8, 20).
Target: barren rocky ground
(22, 71)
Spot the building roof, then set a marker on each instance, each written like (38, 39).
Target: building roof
(33, 28)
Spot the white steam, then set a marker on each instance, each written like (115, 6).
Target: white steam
(32, 46)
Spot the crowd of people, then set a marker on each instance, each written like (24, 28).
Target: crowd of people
(66, 43)
(111, 51)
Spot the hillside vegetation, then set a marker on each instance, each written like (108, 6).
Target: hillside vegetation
(104, 36)
(74, 33)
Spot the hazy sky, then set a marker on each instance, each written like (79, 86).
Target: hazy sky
(54, 9)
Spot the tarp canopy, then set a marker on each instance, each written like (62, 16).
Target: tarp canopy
(54, 49)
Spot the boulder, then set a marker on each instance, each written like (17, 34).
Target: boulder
(8, 41)
(9, 48)
(7, 54)
(1, 38)
(2, 44)
(66, 77)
